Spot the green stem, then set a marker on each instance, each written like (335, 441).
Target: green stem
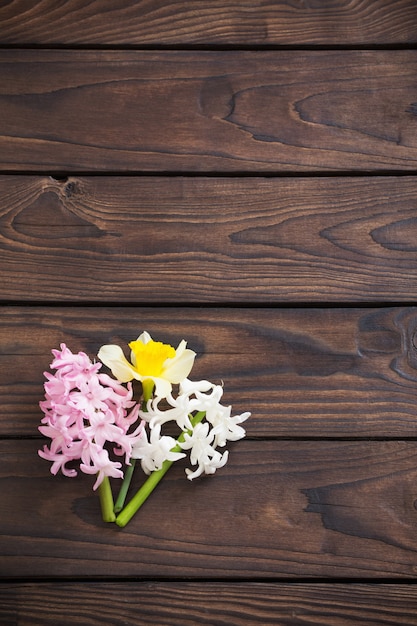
(149, 485)
(106, 500)
(147, 389)
(125, 486)
(144, 492)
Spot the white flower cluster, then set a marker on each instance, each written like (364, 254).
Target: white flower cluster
(202, 438)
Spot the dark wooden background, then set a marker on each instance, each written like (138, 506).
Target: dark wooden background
(241, 175)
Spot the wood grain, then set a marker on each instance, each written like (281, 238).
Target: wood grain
(216, 240)
(275, 111)
(219, 22)
(277, 509)
(240, 174)
(176, 603)
(301, 372)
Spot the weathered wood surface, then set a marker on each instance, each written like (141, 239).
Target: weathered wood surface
(175, 604)
(219, 22)
(278, 509)
(301, 372)
(234, 214)
(218, 240)
(274, 111)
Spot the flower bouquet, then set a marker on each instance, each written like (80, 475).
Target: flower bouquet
(95, 423)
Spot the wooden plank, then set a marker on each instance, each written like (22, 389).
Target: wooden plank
(220, 22)
(274, 111)
(277, 509)
(176, 603)
(195, 240)
(301, 372)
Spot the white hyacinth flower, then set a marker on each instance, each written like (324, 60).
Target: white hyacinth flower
(202, 452)
(225, 427)
(154, 452)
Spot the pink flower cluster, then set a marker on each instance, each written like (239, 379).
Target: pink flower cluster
(84, 411)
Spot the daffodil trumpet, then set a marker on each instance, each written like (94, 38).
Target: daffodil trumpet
(154, 479)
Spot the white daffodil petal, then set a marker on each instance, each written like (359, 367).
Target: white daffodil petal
(113, 357)
(144, 337)
(178, 368)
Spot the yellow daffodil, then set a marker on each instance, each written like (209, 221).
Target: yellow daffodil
(152, 362)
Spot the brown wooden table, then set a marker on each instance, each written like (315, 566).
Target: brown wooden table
(241, 175)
